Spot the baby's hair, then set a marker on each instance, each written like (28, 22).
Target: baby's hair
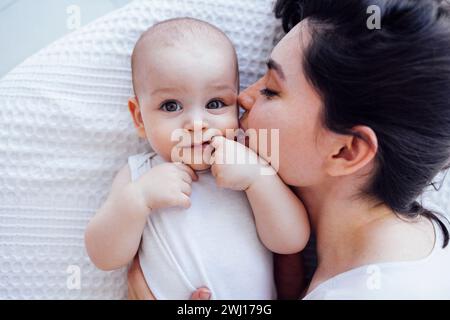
(171, 32)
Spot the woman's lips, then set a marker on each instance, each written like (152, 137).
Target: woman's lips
(243, 121)
(243, 126)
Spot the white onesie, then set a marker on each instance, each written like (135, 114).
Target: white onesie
(213, 243)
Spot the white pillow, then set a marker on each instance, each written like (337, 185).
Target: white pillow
(439, 201)
(65, 131)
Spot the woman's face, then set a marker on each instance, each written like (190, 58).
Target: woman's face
(283, 99)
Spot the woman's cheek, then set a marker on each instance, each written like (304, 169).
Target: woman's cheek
(257, 119)
(263, 135)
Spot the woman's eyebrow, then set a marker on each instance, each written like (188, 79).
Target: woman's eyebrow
(273, 65)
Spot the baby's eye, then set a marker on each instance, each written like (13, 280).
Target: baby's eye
(171, 106)
(215, 104)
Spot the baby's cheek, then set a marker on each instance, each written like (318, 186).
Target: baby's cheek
(225, 123)
(160, 140)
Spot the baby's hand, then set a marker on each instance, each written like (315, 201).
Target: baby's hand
(167, 185)
(234, 165)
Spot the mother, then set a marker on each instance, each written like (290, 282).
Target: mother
(364, 120)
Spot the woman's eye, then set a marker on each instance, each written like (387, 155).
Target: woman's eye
(171, 106)
(269, 93)
(215, 104)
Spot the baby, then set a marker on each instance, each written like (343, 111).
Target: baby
(190, 219)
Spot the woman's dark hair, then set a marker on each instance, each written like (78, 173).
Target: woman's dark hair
(395, 80)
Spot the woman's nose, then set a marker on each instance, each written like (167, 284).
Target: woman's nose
(246, 99)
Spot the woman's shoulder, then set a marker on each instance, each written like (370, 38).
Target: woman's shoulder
(422, 279)
(425, 277)
(397, 239)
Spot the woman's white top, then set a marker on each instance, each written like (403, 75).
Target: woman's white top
(428, 278)
(213, 243)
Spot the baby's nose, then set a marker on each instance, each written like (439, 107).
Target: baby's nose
(196, 125)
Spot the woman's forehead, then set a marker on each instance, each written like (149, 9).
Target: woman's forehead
(288, 53)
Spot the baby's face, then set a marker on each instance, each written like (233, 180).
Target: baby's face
(187, 88)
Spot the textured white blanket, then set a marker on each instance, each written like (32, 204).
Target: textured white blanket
(65, 131)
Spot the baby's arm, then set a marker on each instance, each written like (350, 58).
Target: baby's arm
(112, 236)
(114, 233)
(281, 218)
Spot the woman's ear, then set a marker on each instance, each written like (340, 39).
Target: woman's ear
(135, 110)
(350, 153)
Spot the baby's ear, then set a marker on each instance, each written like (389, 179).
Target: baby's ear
(135, 110)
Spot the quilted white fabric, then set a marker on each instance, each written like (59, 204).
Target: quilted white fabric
(65, 131)
(439, 201)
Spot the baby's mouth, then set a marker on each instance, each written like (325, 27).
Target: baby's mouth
(202, 145)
